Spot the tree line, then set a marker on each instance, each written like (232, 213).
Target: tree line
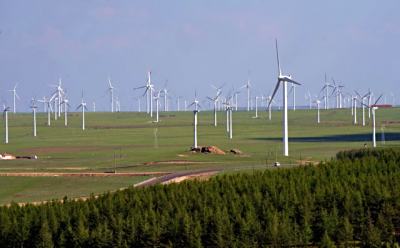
(350, 201)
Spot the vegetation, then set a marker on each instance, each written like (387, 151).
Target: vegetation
(353, 200)
(129, 141)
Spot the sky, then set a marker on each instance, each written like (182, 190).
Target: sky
(189, 45)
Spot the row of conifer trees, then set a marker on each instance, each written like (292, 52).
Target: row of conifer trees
(353, 200)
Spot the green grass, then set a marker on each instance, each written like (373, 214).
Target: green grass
(31, 189)
(134, 140)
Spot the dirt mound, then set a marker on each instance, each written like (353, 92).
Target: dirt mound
(236, 151)
(208, 149)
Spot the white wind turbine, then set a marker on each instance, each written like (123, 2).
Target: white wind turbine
(5, 116)
(44, 100)
(235, 94)
(283, 79)
(228, 108)
(157, 98)
(337, 90)
(149, 88)
(325, 88)
(317, 102)
(66, 106)
(49, 109)
(247, 86)
(309, 98)
(230, 122)
(15, 96)
(34, 107)
(195, 102)
(361, 99)
(373, 109)
(215, 101)
(355, 110)
(57, 96)
(165, 95)
(83, 106)
(111, 90)
(196, 105)
(256, 107)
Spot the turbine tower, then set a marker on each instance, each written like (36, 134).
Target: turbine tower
(34, 107)
(48, 108)
(361, 99)
(111, 89)
(5, 116)
(215, 101)
(247, 86)
(15, 96)
(283, 80)
(195, 112)
(325, 88)
(83, 106)
(373, 109)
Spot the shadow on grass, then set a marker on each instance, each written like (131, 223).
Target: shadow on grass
(338, 138)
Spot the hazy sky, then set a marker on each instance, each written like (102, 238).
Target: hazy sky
(193, 44)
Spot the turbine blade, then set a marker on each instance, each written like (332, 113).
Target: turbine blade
(273, 94)
(292, 81)
(377, 100)
(277, 57)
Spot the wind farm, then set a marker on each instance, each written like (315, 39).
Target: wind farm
(209, 127)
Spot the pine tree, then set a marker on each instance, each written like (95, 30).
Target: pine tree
(44, 239)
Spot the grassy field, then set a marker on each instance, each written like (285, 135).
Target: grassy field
(31, 189)
(130, 141)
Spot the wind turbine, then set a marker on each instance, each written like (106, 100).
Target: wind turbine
(195, 112)
(15, 95)
(309, 98)
(83, 106)
(373, 109)
(34, 107)
(111, 89)
(165, 94)
(247, 86)
(361, 99)
(355, 110)
(228, 108)
(283, 79)
(149, 94)
(157, 98)
(5, 116)
(49, 109)
(195, 102)
(317, 102)
(256, 107)
(325, 88)
(235, 94)
(337, 88)
(44, 101)
(215, 101)
(66, 106)
(58, 95)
